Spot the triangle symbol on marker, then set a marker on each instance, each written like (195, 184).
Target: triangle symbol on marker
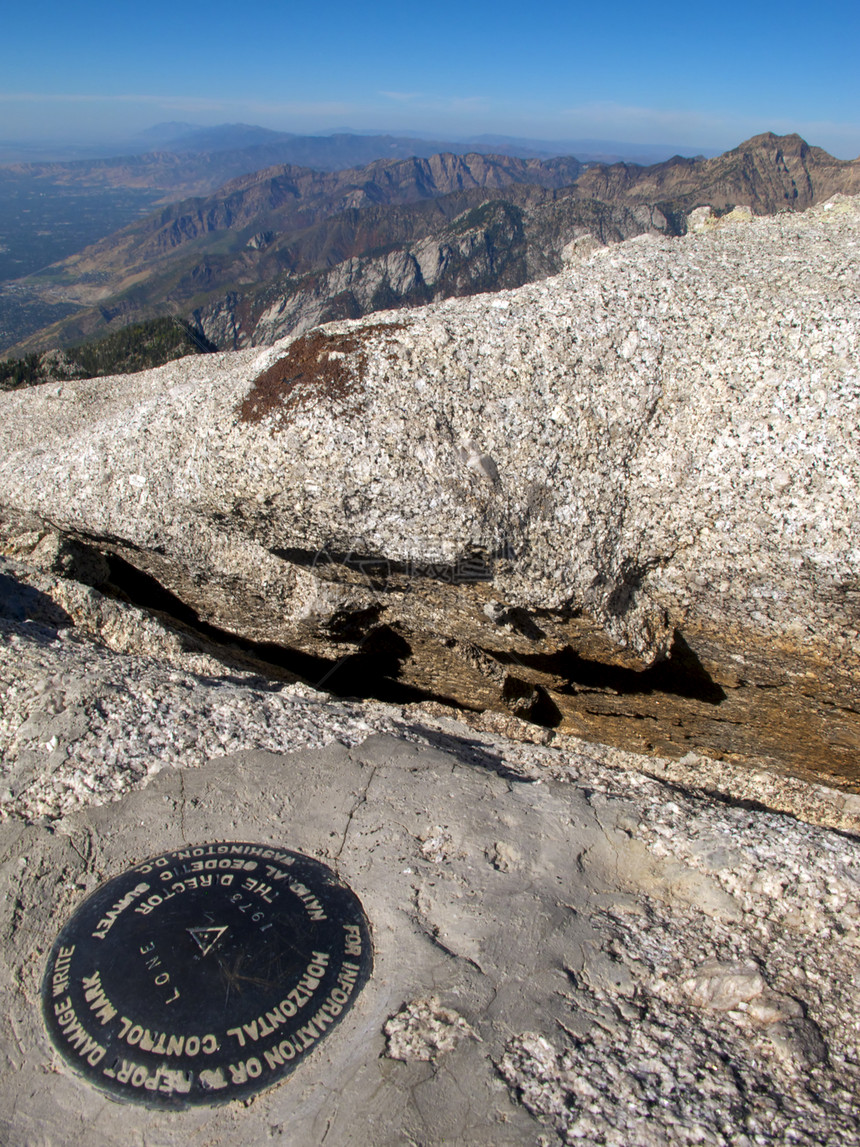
(207, 938)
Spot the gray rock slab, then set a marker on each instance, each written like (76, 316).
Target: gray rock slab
(596, 959)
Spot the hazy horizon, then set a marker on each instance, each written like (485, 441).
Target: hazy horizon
(706, 80)
(158, 136)
(88, 139)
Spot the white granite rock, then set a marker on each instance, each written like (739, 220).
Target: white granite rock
(667, 430)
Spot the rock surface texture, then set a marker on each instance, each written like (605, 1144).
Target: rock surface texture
(565, 949)
(619, 506)
(622, 502)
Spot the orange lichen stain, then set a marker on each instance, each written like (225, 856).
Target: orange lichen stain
(318, 366)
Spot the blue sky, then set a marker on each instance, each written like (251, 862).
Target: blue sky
(706, 75)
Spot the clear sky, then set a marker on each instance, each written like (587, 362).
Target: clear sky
(698, 74)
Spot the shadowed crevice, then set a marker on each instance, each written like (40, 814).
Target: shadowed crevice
(681, 674)
(381, 654)
(369, 673)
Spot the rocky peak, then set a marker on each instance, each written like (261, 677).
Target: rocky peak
(791, 144)
(601, 487)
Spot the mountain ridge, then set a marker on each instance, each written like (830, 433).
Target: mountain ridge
(772, 171)
(189, 173)
(193, 255)
(320, 194)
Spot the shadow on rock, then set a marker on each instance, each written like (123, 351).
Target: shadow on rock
(20, 602)
(469, 751)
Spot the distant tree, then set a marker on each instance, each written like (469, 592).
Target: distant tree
(134, 348)
(18, 372)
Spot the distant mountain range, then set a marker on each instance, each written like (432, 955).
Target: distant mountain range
(288, 247)
(203, 161)
(332, 150)
(54, 203)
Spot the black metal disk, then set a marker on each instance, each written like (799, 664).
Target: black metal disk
(205, 974)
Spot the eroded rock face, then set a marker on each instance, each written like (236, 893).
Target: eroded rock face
(493, 246)
(622, 501)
